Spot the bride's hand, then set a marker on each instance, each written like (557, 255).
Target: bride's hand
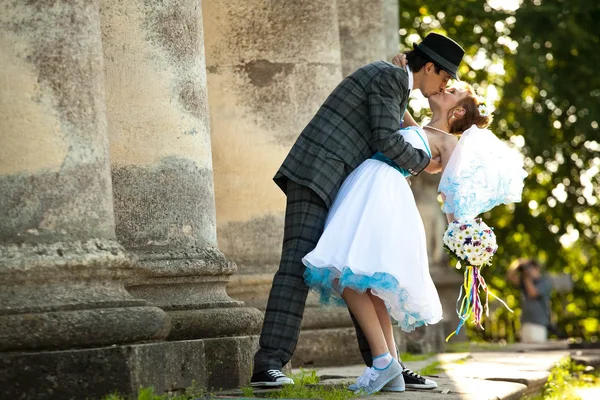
(400, 60)
(434, 166)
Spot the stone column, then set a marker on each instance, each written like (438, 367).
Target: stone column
(162, 175)
(368, 31)
(270, 66)
(61, 268)
(391, 21)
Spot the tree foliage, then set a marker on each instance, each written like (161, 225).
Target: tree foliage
(540, 65)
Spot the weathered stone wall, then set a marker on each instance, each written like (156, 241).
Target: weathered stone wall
(69, 327)
(270, 65)
(368, 32)
(159, 133)
(60, 266)
(162, 165)
(54, 186)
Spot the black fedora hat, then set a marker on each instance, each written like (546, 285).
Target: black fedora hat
(443, 51)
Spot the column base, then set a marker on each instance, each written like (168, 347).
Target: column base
(168, 367)
(72, 295)
(82, 328)
(190, 287)
(214, 322)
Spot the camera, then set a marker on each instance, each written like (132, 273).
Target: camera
(528, 265)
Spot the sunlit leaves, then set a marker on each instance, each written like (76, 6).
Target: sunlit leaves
(538, 64)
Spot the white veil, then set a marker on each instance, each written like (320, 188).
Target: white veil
(482, 173)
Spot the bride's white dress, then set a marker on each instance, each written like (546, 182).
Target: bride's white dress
(374, 238)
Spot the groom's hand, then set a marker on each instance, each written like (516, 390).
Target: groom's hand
(434, 166)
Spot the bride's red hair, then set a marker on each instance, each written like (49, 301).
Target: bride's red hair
(472, 115)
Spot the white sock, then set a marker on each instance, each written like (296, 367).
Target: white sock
(382, 361)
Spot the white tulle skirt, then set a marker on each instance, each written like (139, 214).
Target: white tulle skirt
(374, 239)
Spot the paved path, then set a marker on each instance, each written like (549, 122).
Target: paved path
(469, 376)
(498, 373)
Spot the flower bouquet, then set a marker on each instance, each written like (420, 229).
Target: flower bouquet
(473, 243)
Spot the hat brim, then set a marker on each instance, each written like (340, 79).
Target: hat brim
(437, 60)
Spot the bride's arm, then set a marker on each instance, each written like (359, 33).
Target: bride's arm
(448, 147)
(408, 120)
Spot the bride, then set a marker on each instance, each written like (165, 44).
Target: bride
(372, 255)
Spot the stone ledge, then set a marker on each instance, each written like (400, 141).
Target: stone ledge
(326, 347)
(339, 346)
(94, 373)
(588, 358)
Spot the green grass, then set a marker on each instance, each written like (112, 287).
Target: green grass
(193, 392)
(431, 369)
(311, 392)
(247, 391)
(306, 377)
(409, 357)
(565, 378)
(305, 388)
(145, 394)
(466, 347)
(462, 360)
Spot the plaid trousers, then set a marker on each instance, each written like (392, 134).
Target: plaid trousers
(305, 217)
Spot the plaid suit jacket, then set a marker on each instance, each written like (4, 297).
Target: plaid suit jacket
(359, 118)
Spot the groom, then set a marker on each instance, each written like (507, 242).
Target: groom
(361, 117)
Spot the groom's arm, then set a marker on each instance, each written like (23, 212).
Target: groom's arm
(384, 114)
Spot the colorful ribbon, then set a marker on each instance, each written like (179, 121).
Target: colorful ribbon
(470, 301)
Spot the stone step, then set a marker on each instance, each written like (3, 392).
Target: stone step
(589, 358)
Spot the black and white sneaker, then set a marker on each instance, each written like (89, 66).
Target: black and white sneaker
(270, 378)
(413, 380)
